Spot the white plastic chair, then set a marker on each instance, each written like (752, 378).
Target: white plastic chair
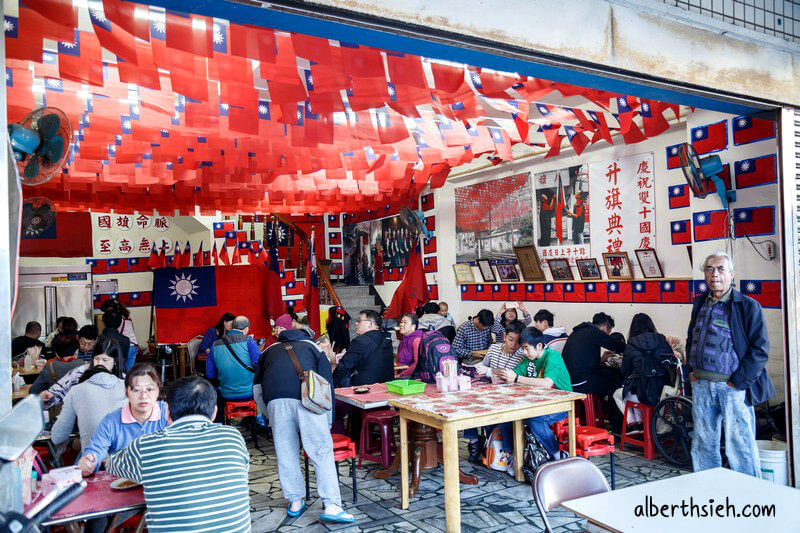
(557, 344)
(192, 347)
(560, 481)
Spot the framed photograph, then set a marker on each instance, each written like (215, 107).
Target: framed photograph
(486, 271)
(649, 263)
(463, 273)
(588, 268)
(617, 265)
(507, 272)
(560, 269)
(529, 263)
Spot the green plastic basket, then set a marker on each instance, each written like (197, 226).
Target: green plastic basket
(405, 386)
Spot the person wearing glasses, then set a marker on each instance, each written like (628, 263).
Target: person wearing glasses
(143, 414)
(369, 358)
(727, 350)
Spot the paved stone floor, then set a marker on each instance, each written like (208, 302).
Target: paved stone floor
(496, 503)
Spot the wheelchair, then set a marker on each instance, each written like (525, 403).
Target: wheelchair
(672, 425)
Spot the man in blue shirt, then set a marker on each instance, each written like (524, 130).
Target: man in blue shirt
(233, 361)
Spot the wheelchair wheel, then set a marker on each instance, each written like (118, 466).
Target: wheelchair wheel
(672, 427)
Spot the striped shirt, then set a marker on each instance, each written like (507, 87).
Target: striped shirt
(194, 474)
(497, 358)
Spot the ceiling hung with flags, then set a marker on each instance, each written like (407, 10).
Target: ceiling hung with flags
(172, 111)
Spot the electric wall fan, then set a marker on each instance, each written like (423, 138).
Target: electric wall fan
(41, 144)
(413, 220)
(701, 174)
(38, 215)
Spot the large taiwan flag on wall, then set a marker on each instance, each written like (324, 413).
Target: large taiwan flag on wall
(69, 236)
(190, 300)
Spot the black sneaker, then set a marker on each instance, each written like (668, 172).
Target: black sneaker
(475, 449)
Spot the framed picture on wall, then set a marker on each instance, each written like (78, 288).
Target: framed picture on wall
(463, 273)
(588, 268)
(529, 264)
(507, 272)
(618, 266)
(486, 271)
(560, 269)
(649, 263)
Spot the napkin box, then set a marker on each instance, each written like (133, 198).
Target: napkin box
(60, 478)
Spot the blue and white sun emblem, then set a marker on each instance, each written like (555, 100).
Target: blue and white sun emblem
(183, 287)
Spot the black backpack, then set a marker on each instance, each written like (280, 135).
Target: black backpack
(651, 377)
(433, 349)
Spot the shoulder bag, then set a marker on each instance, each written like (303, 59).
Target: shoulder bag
(315, 391)
(236, 357)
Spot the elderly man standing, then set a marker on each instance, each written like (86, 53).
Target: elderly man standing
(727, 349)
(194, 472)
(233, 361)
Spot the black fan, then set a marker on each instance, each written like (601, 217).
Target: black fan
(41, 142)
(413, 221)
(38, 215)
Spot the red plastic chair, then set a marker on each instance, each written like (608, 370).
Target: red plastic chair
(593, 411)
(590, 442)
(343, 448)
(368, 448)
(646, 440)
(243, 409)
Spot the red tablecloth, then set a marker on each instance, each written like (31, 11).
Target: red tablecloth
(377, 394)
(99, 497)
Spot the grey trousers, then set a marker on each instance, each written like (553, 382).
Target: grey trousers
(287, 417)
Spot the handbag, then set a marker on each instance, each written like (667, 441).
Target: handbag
(533, 456)
(315, 391)
(236, 357)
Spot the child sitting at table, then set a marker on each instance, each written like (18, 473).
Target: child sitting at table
(542, 367)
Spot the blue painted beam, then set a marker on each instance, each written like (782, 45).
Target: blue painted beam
(309, 25)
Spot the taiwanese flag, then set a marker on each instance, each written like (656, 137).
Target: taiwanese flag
(468, 293)
(767, 293)
(186, 259)
(335, 252)
(482, 294)
(749, 130)
(224, 257)
(710, 225)
(137, 264)
(756, 171)
(673, 157)
(99, 266)
(646, 291)
(236, 258)
(752, 221)
(311, 296)
(333, 221)
(230, 238)
(334, 237)
(675, 292)
(619, 291)
(708, 186)
(140, 299)
(273, 288)
(430, 245)
(215, 254)
(499, 292)
(117, 266)
(221, 228)
(427, 202)
(186, 297)
(431, 264)
(553, 292)
(653, 119)
(710, 138)
(574, 292)
(69, 236)
(678, 196)
(700, 286)
(681, 232)
(433, 291)
(512, 292)
(534, 292)
(197, 260)
(596, 292)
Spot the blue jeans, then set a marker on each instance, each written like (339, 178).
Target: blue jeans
(540, 427)
(715, 403)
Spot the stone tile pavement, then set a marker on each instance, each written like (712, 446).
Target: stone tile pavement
(496, 503)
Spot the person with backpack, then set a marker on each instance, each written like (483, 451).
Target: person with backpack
(408, 351)
(232, 361)
(645, 367)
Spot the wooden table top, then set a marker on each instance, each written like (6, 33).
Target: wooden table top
(20, 394)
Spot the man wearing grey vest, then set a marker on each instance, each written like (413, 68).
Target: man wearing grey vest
(233, 361)
(727, 350)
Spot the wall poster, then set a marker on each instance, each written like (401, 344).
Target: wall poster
(492, 217)
(360, 246)
(562, 213)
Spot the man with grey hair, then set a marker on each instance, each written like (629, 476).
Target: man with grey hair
(727, 350)
(233, 361)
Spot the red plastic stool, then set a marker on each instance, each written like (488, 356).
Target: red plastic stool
(242, 409)
(590, 442)
(343, 448)
(646, 442)
(593, 411)
(367, 447)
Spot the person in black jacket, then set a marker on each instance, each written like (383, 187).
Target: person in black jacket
(276, 389)
(112, 320)
(645, 367)
(581, 354)
(369, 358)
